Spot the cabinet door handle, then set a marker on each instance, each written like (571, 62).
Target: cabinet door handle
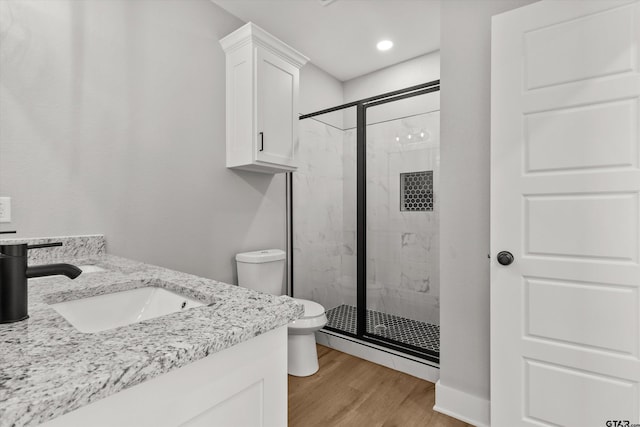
(261, 141)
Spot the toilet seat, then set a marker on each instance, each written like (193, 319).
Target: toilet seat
(313, 318)
(311, 308)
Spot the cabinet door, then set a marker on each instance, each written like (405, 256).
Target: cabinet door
(276, 109)
(232, 387)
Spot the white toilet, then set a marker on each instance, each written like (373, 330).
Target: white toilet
(263, 271)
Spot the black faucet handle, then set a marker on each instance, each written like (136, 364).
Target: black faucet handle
(44, 245)
(8, 232)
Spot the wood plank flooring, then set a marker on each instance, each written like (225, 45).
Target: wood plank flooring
(351, 392)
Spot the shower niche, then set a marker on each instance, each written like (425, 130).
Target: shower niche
(416, 191)
(364, 219)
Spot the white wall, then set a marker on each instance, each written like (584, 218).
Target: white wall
(464, 267)
(318, 89)
(112, 121)
(422, 69)
(412, 72)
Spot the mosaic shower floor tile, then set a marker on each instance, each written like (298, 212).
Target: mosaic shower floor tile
(407, 331)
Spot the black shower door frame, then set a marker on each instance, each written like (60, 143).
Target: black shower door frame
(361, 217)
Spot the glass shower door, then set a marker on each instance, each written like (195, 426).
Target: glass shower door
(324, 217)
(402, 222)
(365, 218)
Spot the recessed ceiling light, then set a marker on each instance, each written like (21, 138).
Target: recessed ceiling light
(384, 45)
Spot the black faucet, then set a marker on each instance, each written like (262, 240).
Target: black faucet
(14, 273)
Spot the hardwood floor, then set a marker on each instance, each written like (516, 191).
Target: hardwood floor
(351, 392)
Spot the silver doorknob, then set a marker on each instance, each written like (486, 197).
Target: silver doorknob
(505, 258)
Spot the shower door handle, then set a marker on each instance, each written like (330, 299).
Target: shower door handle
(505, 258)
(261, 141)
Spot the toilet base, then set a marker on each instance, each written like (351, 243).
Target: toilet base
(302, 355)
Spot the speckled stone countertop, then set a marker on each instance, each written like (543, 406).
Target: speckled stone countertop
(48, 368)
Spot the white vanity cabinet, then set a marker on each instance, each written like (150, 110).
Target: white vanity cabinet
(261, 101)
(244, 385)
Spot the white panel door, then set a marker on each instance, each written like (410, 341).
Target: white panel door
(565, 201)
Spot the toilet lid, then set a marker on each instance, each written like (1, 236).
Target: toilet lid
(311, 309)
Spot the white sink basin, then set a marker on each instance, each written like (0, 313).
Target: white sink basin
(103, 312)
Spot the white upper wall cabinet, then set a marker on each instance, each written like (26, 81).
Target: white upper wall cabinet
(262, 101)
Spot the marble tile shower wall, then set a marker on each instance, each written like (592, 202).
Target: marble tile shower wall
(323, 258)
(402, 246)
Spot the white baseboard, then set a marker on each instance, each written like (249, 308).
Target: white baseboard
(464, 406)
(414, 366)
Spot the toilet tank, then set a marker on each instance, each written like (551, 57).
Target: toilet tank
(261, 270)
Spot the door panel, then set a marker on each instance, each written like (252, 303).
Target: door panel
(565, 200)
(589, 46)
(571, 312)
(576, 397)
(555, 225)
(567, 131)
(276, 119)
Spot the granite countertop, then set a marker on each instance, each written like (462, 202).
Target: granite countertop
(48, 368)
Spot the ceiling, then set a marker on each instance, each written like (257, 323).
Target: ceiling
(341, 37)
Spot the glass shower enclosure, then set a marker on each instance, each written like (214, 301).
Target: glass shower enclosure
(364, 218)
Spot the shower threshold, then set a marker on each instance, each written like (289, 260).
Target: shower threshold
(415, 335)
